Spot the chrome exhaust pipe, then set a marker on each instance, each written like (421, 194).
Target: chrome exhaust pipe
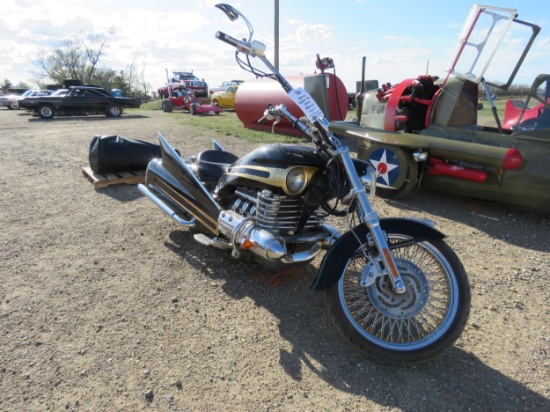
(165, 208)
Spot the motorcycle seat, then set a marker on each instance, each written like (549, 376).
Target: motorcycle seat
(211, 164)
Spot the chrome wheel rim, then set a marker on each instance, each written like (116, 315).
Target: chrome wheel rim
(409, 321)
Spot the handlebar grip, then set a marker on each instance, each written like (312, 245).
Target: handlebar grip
(228, 39)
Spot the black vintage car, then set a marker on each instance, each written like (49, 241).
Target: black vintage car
(80, 100)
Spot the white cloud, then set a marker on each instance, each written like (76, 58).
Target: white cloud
(313, 33)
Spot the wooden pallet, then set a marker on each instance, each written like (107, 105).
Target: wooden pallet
(103, 180)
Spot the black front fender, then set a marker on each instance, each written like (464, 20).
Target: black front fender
(344, 248)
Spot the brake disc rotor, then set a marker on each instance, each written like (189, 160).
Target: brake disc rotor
(401, 306)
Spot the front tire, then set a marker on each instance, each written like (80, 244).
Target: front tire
(193, 109)
(412, 327)
(46, 111)
(167, 106)
(14, 105)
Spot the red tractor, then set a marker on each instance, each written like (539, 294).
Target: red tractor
(177, 95)
(187, 79)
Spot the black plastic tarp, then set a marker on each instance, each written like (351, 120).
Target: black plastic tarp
(111, 154)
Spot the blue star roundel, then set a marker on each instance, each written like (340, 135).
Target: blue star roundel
(387, 166)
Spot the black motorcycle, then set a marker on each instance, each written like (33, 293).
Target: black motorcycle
(394, 289)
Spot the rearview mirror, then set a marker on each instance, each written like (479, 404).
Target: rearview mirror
(230, 11)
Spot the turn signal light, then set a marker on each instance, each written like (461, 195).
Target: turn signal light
(247, 244)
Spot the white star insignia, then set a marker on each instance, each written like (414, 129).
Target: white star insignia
(383, 167)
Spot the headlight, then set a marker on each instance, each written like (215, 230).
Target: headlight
(295, 180)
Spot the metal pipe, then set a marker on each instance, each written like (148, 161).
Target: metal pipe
(187, 223)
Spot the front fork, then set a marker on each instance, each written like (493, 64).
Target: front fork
(366, 215)
(370, 218)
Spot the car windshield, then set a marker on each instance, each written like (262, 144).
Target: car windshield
(60, 92)
(485, 48)
(536, 112)
(27, 93)
(184, 76)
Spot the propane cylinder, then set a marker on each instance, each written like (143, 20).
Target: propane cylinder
(253, 97)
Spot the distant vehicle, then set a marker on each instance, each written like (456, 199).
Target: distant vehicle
(181, 98)
(225, 85)
(515, 109)
(424, 131)
(39, 93)
(224, 98)
(60, 92)
(12, 101)
(188, 80)
(80, 100)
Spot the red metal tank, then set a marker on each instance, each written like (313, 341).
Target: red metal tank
(253, 97)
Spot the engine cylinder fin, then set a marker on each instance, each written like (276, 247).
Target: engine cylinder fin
(282, 213)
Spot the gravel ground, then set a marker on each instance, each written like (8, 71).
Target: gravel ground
(107, 305)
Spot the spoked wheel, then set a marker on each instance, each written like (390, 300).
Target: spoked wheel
(411, 327)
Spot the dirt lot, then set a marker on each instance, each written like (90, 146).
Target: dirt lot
(106, 304)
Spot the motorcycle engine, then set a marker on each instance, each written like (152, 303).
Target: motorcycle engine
(280, 214)
(277, 230)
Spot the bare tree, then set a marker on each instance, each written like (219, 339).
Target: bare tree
(75, 58)
(93, 53)
(137, 76)
(79, 58)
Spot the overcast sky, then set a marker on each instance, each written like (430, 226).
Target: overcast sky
(398, 38)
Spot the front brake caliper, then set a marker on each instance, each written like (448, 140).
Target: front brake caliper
(369, 274)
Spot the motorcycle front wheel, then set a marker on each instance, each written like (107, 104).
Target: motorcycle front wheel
(412, 327)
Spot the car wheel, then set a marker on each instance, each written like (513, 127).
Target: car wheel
(396, 170)
(113, 111)
(193, 109)
(13, 105)
(46, 111)
(167, 106)
(216, 103)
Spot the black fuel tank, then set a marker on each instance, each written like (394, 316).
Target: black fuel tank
(264, 165)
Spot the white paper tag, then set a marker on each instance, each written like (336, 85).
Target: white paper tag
(305, 102)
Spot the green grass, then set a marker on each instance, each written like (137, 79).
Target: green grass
(227, 123)
(152, 105)
(486, 111)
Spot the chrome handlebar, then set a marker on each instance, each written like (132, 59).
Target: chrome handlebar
(254, 48)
